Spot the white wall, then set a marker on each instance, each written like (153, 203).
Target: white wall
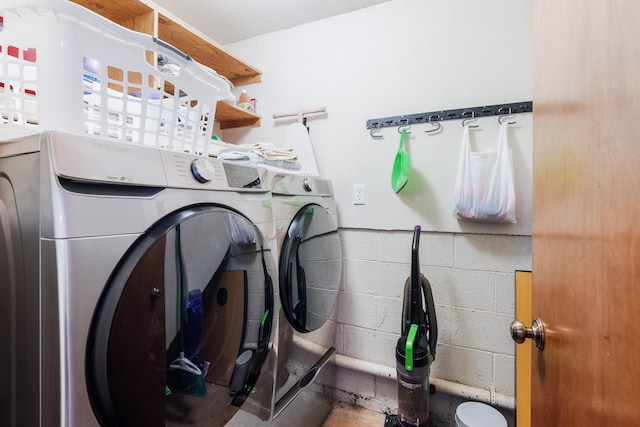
(399, 57)
(404, 57)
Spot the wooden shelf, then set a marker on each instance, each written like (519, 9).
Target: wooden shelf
(230, 116)
(123, 12)
(144, 17)
(206, 53)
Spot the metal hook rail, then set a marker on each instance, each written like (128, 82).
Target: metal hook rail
(457, 114)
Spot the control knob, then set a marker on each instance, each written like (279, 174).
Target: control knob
(307, 185)
(202, 170)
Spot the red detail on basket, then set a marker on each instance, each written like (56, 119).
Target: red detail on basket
(29, 54)
(13, 51)
(30, 92)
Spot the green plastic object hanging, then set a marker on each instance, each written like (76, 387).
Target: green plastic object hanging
(408, 350)
(401, 165)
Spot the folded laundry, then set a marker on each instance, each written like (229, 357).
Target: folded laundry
(234, 155)
(254, 157)
(263, 149)
(271, 152)
(217, 146)
(260, 153)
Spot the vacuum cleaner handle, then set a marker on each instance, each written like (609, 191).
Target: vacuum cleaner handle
(415, 314)
(432, 321)
(415, 258)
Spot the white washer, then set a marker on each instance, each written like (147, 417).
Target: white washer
(309, 274)
(99, 244)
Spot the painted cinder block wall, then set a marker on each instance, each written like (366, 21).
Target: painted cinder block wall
(472, 278)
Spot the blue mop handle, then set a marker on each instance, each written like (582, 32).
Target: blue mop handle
(194, 322)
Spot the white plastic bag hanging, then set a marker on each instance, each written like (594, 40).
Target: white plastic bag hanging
(484, 189)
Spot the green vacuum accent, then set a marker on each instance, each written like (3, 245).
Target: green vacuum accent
(408, 361)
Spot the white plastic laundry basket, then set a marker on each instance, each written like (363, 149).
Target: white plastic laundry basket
(63, 67)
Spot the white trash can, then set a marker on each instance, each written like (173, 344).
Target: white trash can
(476, 414)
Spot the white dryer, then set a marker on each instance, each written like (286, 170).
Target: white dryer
(117, 263)
(309, 276)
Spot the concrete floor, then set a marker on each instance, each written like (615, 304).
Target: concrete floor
(346, 415)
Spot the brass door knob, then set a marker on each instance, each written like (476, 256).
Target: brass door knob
(519, 332)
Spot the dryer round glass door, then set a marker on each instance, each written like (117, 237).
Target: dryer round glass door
(310, 268)
(181, 334)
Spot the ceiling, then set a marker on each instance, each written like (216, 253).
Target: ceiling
(229, 21)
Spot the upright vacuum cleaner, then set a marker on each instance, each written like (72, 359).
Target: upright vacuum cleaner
(416, 348)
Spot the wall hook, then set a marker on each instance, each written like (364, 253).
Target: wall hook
(436, 124)
(375, 132)
(472, 118)
(505, 115)
(406, 127)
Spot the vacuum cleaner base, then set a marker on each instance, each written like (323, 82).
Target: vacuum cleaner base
(392, 421)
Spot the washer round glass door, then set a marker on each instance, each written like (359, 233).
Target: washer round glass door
(310, 268)
(182, 330)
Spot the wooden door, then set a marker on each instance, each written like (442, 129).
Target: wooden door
(586, 206)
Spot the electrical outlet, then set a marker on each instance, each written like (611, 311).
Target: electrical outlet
(359, 194)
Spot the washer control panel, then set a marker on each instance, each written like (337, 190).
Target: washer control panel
(88, 159)
(241, 176)
(187, 171)
(299, 185)
(207, 173)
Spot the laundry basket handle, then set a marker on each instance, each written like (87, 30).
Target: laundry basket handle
(172, 48)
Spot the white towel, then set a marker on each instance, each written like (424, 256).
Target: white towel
(218, 146)
(252, 157)
(234, 155)
(263, 149)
